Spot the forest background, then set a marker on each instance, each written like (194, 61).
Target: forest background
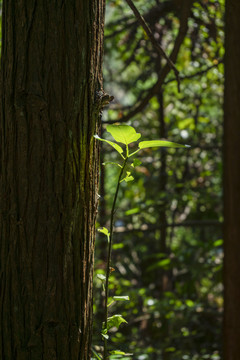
(168, 247)
(167, 252)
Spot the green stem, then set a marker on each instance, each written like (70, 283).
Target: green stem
(135, 152)
(105, 356)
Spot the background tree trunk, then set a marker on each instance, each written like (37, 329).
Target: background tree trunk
(232, 182)
(50, 75)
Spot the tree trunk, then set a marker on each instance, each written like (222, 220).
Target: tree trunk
(232, 183)
(50, 78)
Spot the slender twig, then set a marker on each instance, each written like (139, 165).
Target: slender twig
(185, 12)
(198, 73)
(153, 40)
(118, 107)
(105, 356)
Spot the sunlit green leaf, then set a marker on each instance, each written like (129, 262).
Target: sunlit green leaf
(106, 336)
(118, 246)
(136, 162)
(115, 146)
(132, 211)
(115, 321)
(189, 303)
(104, 231)
(124, 134)
(218, 242)
(120, 298)
(101, 277)
(117, 352)
(128, 177)
(160, 143)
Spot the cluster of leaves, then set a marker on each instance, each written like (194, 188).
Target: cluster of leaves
(168, 249)
(126, 135)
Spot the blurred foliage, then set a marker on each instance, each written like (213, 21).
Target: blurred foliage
(167, 247)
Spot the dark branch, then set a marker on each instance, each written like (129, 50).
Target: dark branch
(185, 13)
(153, 40)
(152, 16)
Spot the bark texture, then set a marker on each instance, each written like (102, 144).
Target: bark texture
(50, 78)
(232, 183)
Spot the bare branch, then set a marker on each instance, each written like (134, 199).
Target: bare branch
(186, 9)
(153, 40)
(119, 107)
(153, 15)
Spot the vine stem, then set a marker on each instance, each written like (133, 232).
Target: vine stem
(105, 355)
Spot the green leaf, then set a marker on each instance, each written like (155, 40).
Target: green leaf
(104, 333)
(170, 349)
(162, 263)
(128, 177)
(115, 146)
(104, 231)
(124, 134)
(189, 303)
(115, 321)
(117, 352)
(136, 162)
(106, 336)
(218, 242)
(101, 277)
(160, 143)
(132, 211)
(120, 298)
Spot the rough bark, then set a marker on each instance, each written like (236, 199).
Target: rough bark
(50, 78)
(232, 183)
